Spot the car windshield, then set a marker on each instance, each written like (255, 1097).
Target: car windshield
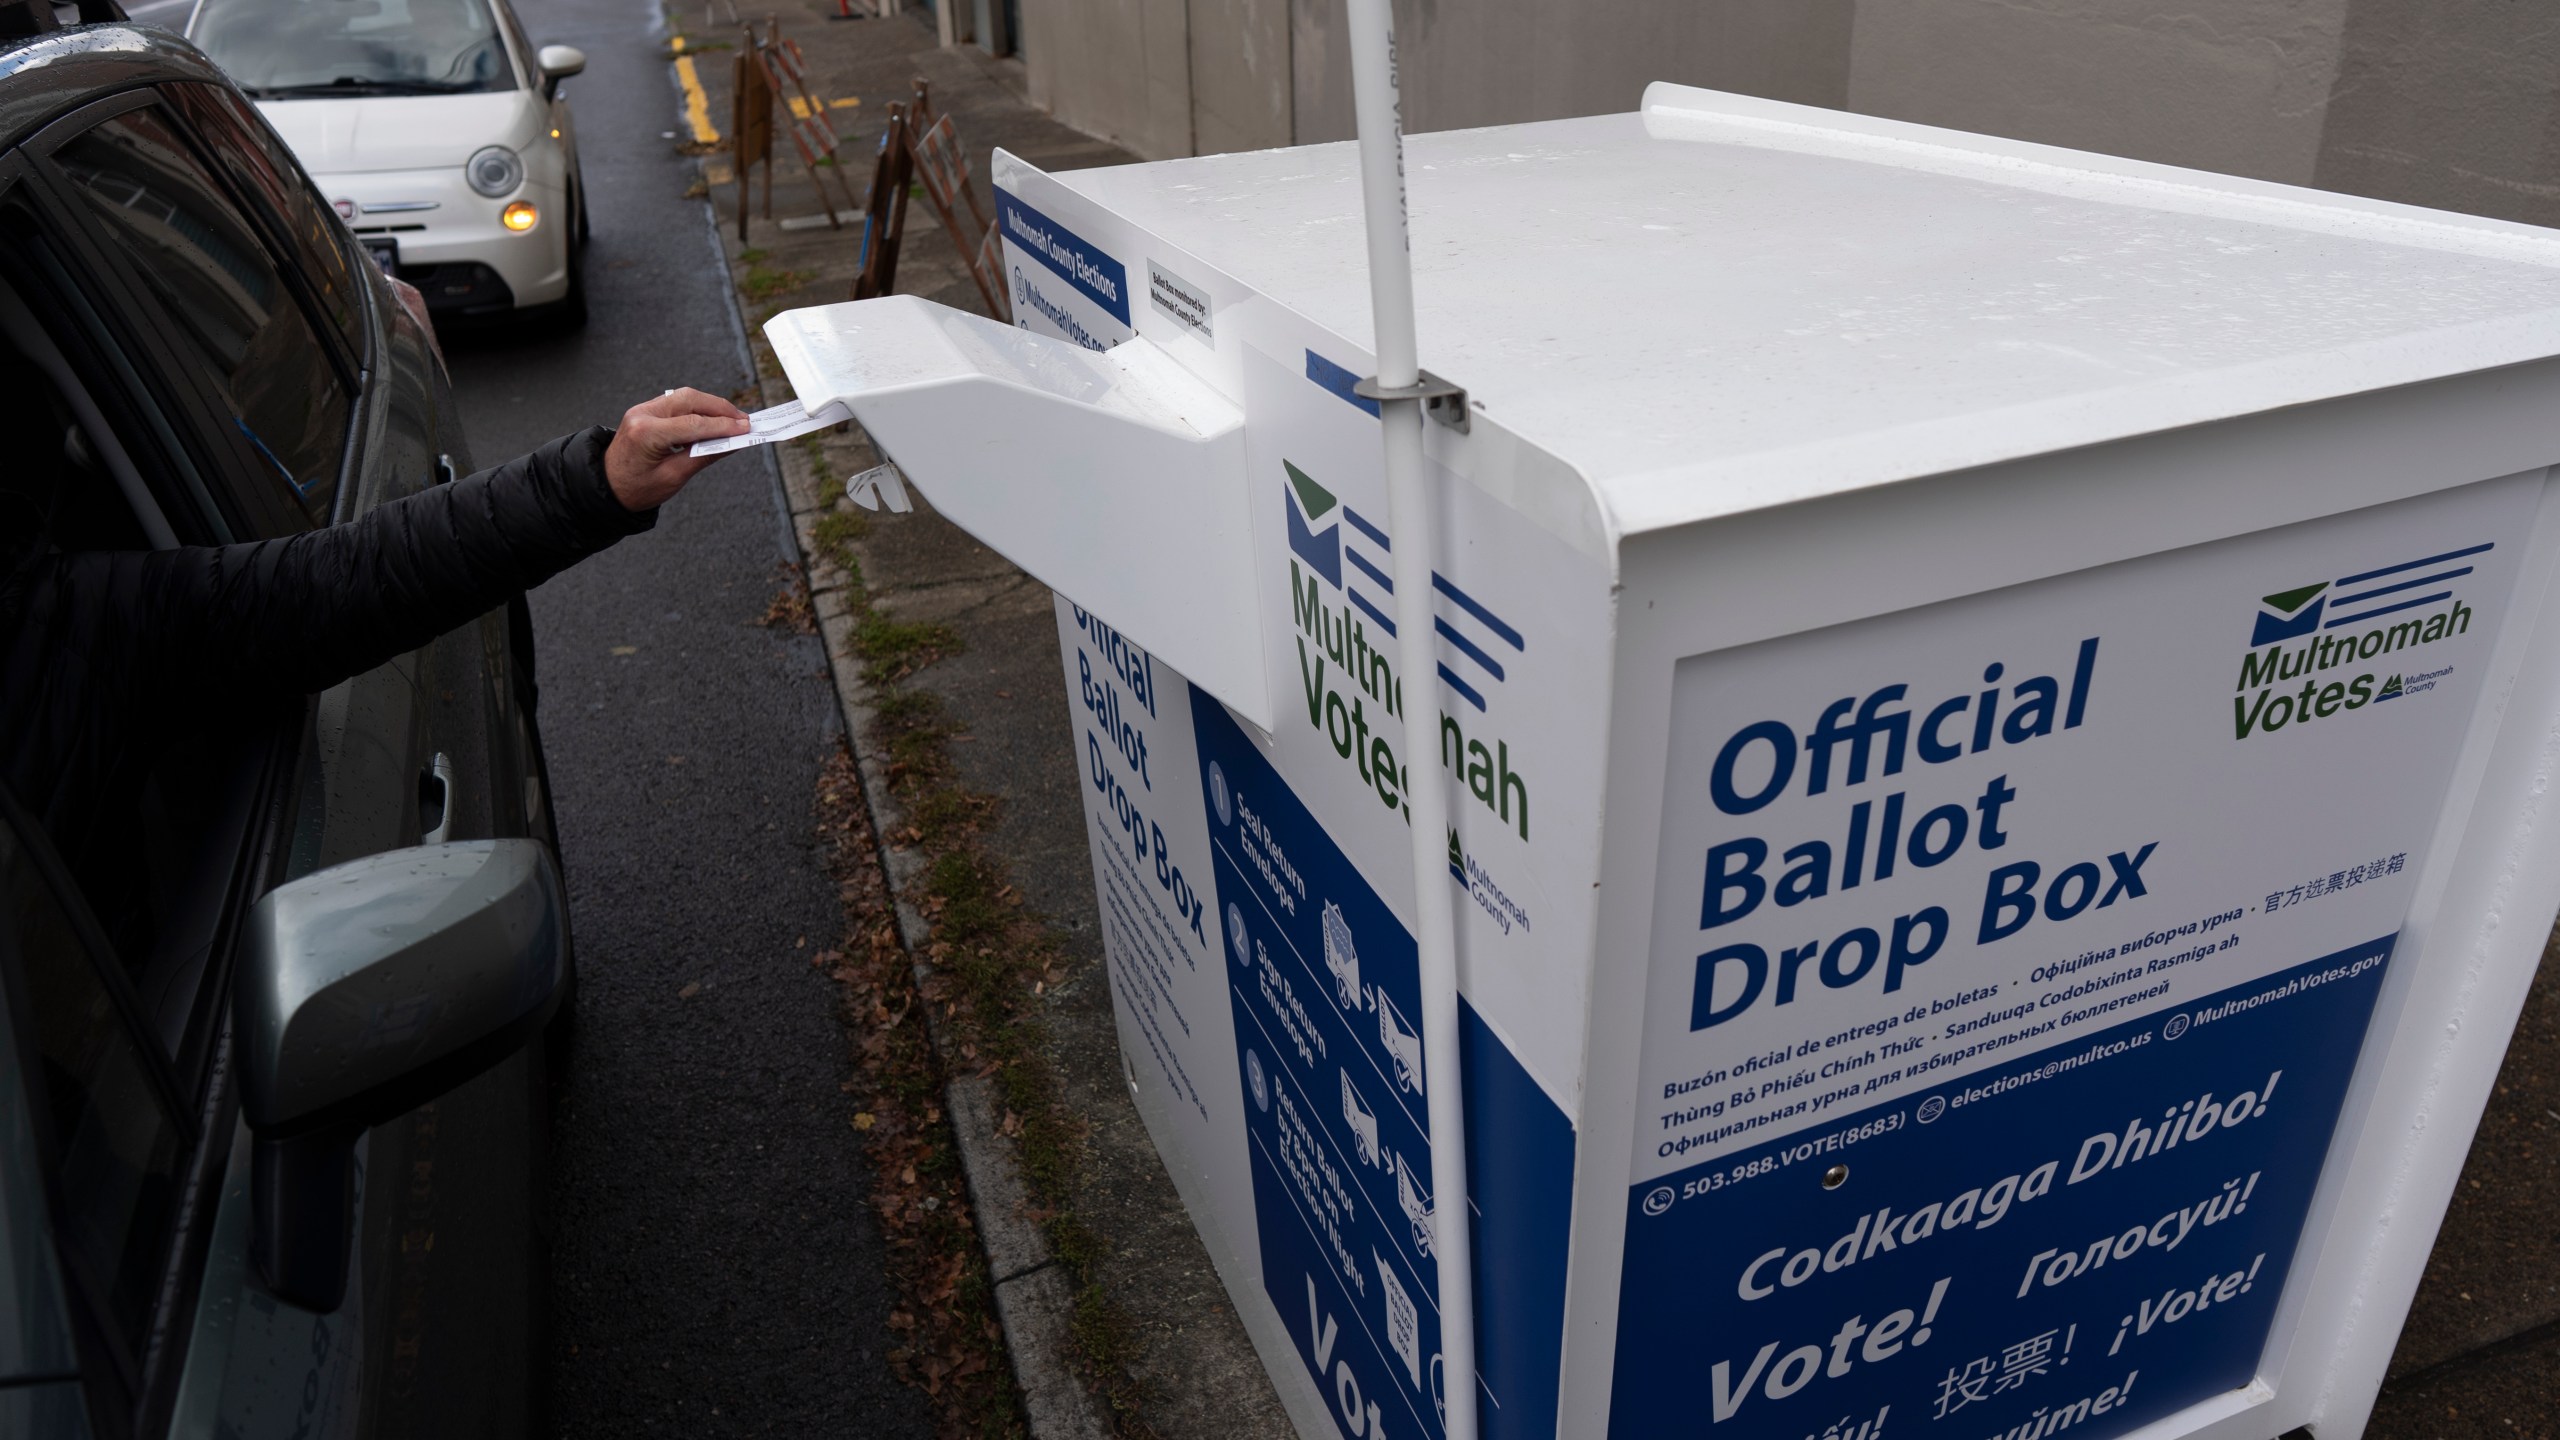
(280, 49)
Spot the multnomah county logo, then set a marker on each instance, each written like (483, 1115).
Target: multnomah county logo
(2318, 635)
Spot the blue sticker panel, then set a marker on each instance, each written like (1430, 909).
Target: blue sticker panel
(1327, 1001)
(1100, 278)
(2085, 1239)
(1520, 1180)
(1338, 381)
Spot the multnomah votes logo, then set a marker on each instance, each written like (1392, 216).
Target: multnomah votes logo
(1468, 628)
(1312, 502)
(1344, 649)
(2289, 613)
(2320, 633)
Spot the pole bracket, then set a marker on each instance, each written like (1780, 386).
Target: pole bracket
(1441, 400)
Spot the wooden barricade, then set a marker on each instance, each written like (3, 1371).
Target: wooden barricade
(751, 130)
(812, 133)
(884, 218)
(923, 150)
(944, 173)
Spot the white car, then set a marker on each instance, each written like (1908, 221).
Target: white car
(436, 129)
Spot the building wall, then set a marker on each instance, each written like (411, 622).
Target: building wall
(2239, 86)
(1163, 78)
(2452, 103)
(1497, 62)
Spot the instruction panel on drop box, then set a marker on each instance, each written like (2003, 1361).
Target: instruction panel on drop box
(2053, 918)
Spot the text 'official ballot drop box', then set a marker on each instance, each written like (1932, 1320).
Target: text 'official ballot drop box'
(1998, 706)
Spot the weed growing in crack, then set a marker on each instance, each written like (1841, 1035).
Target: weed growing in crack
(761, 283)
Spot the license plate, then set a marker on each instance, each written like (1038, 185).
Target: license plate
(385, 252)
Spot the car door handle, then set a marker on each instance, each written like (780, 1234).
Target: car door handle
(435, 801)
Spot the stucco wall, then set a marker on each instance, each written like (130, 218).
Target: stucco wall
(2441, 102)
(2451, 103)
(2239, 86)
(1163, 77)
(1497, 62)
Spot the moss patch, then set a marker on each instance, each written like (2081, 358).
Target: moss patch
(762, 283)
(988, 962)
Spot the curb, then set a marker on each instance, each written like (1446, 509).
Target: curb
(1035, 1303)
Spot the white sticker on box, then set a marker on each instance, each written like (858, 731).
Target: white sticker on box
(1188, 304)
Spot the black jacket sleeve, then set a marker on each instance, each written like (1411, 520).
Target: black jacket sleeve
(302, 614)
(107, 653)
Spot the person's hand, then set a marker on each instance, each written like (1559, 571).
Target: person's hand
(646, 464)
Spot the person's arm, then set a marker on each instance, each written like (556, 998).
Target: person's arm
(301, 614)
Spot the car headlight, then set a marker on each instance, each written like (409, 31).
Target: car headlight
(494, 171)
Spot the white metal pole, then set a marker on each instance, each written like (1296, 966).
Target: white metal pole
(1381, 121)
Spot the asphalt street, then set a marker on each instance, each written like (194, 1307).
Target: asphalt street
(716, 1269)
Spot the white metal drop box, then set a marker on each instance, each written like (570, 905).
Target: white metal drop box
(2001, 707)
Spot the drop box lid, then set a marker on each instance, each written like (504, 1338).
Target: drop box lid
(1717, 304)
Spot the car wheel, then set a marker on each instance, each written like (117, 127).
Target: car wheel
(569, 312)
(559, 1034)
(578, 189)
(573, 308)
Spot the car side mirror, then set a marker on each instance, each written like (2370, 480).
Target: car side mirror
(364, 991)
(558, 63)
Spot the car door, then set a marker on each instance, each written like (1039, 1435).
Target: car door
(131, 886)
(294, 415)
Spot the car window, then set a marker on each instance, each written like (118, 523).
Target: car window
(114, 1139)
(526, 50)
(230, 310)
(47, 308)
(265, 171)
(148, 812)
(289, 49)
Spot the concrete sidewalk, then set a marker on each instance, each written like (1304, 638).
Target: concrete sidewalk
(2480, 1355)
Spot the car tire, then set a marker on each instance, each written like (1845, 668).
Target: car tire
(569, 312)
(573, 308)
(578, 190)
(560, 1032)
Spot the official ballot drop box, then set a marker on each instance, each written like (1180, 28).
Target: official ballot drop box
(1999, 705)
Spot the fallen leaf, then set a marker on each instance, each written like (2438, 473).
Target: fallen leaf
(691, 989)
(675, 759)
(865, 1120)
(626, 650)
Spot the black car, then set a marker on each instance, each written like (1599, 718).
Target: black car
(271, 1130)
